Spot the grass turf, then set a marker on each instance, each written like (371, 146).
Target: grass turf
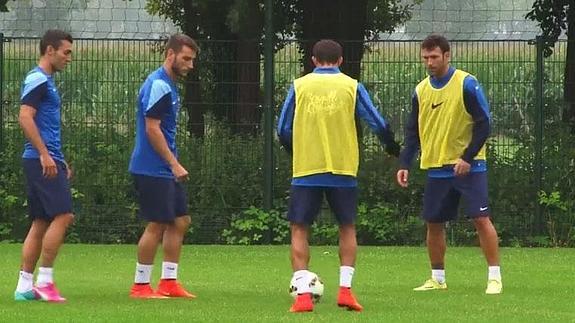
(250, 284)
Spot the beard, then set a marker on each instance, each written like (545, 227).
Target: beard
(179, 72)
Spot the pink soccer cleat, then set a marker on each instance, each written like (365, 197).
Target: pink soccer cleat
(49, 293)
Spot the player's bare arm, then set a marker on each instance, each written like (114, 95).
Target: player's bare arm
(158, 141)
(26, 120)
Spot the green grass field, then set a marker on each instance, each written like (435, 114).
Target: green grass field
(249, 284)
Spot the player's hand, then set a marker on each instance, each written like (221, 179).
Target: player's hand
(49, 169)
(461, 168)
(392, 148)
(402, 177)
(69, 171)
(180, 173)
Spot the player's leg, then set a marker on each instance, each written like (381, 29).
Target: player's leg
(172, 244)
(152, 193)
(53, 240)
(440, 202)
(32, 247)
(343, 203)
(55, 198)
(304, 206)
(474, 190)
(31, 251)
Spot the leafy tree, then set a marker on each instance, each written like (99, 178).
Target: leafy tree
(242, 21)
(3, 7)
(555, 17)
(352, 21)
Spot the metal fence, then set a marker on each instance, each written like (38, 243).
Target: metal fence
(222, 133)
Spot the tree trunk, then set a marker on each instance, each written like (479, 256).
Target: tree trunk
(247, 116)
(192, 91)
(193, 104)
(341, 20)
(569, 85)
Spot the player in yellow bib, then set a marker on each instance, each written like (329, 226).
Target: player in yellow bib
(317, 122)
(449, 123)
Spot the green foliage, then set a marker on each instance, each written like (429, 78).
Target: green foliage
(560, 218)
(256, 226)
(553, 16)
(3, 7)
(382, 224)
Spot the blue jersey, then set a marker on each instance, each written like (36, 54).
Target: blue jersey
(158, 99)
(39, 92)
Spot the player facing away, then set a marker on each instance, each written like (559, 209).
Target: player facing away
(157, 173)
(317, 124)
(449, 123)
(46, 171)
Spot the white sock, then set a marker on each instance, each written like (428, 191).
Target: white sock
(169, 270)
(494, 273)
(345, 276)
(45, 276)
(143, 273)
(301, 281)
(25, 282)
(438, 275)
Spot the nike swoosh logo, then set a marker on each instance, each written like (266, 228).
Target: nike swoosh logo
(433, 105)
(483, 208)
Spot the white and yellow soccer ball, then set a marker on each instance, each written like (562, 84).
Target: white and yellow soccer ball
(315, 284)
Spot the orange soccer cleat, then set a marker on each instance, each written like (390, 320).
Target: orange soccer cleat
(144, 291)
(302, 303)
(345, 298)
(171, 288)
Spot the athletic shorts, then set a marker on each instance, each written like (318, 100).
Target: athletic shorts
(160, 199)
(441, 197)
(47, 197)
(305, 203)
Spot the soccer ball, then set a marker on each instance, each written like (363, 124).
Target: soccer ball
(316, 287)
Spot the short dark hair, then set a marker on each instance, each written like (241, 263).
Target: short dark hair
(54, 38)
(177, 41)
(327, 51)
(435, 40)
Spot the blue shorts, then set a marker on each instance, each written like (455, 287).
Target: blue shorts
(305, 203)
(441, 197)
(160, 199)
(47, 198)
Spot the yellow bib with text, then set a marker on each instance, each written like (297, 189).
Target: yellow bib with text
(324, 131)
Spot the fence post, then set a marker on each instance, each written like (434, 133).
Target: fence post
(539, 105)
(268, 105)
(2, 92)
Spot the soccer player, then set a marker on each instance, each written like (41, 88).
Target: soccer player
(449, 122)
(317, 124)
(157, 173)
(46, 171)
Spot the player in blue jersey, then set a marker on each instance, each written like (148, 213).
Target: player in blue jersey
(450, 123)
(317, 123)
(157, 173)
(46, 171)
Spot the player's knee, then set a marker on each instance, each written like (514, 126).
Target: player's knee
(155, 229)
(64, 219)
(482, 223)
(182, 223)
